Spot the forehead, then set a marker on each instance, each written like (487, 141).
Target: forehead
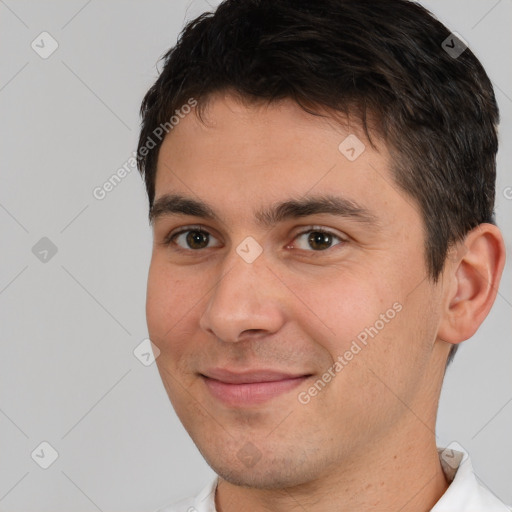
(244, 155)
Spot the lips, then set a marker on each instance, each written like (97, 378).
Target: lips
(239, 389)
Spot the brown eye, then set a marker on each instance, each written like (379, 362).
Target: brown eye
(320, 241)
(190, 239)
(317, 240)
(197, 239)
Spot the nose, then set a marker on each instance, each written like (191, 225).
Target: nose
(248, 300)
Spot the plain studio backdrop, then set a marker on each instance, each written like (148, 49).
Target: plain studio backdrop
(74, 264)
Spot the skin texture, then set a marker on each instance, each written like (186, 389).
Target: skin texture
(366, 441)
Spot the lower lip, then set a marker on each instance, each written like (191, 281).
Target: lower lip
(237, 395)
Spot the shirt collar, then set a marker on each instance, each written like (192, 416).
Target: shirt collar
(465, 493)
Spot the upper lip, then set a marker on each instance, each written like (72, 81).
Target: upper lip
(247, 377)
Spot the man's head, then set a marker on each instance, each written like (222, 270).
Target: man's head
(350, 122)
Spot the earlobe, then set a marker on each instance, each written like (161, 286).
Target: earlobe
(475, 278)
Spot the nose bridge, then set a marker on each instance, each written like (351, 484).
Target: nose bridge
(244, 298)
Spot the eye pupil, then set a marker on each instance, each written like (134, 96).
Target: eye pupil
(320, 241)
(197, 239)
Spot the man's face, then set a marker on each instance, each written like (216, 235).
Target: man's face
(288, 364)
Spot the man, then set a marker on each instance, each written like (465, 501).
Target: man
(321, 186)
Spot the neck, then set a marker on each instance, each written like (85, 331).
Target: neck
(406, 476)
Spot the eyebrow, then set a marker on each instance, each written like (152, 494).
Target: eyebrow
(176, 204)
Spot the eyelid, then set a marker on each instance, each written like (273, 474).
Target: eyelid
(168, 239)
(202, 229)
(319, 229)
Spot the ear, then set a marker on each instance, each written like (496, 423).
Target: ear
(472, 277)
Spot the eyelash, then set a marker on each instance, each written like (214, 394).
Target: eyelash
(169, 239)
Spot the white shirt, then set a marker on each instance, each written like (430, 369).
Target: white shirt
(465, 494)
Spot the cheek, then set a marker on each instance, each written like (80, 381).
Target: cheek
(157, 302)
(169, 304)
(374, 330)
(344, 305)
(170, 314)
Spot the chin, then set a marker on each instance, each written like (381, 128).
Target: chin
(268, 472)
(268, 479)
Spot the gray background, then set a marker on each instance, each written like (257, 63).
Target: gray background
(68, 326)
